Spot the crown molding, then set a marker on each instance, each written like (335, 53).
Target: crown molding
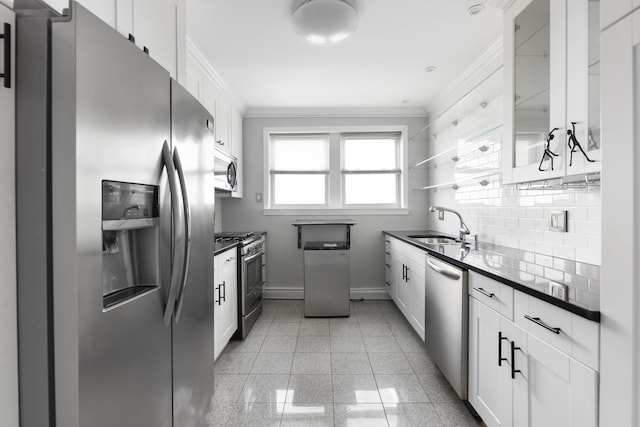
(198, 56)
(268, 113)
(490, 54)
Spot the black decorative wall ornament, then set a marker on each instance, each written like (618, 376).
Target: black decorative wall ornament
(574, 145)
(547, 151)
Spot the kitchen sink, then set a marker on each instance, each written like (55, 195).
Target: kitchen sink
(435, 240)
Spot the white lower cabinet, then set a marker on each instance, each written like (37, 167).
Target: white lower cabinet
(551, 389)
(226, 298)
(407, 288)
(8, 297)
(520, 377)
(490, 386)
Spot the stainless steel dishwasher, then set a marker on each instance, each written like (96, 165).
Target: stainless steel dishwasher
(326, 279)
(446, 321)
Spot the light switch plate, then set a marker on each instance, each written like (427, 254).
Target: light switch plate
(558, 221)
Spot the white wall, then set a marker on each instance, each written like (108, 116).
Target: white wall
(498, 213)
(284, 259)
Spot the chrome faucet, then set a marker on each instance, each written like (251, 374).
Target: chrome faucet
(464, 230)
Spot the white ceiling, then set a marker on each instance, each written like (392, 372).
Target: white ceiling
(251, 45)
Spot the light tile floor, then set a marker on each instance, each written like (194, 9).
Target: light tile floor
(369, 369)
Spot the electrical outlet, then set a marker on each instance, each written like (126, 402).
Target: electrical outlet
(558, 290)
(441, 215)
(258, 197)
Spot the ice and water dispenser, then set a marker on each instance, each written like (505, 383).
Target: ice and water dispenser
(130, 241)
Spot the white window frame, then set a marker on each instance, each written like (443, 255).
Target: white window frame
(398, 172)
(335, 187)
(272, 174)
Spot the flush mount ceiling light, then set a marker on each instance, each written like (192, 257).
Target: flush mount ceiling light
(475, 9)
(324, 22)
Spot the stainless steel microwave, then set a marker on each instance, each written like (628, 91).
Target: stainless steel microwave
(226, 167)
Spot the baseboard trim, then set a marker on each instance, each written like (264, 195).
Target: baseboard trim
(297, 292)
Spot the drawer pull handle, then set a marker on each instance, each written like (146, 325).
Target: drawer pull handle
(6, 36)
(500, 358)
(539, 322)
(513, 360)
(485, 293)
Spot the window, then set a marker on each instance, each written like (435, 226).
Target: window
(371, 169)
(299, 170)
(340, 169)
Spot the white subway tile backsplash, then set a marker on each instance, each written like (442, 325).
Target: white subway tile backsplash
(567, 252)
(537, 213)
(554, 238)
(564, 200)
(579, 214)
(575, 240)
(502, 214)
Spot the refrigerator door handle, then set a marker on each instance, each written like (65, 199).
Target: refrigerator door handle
(187, 228)
(178, 255)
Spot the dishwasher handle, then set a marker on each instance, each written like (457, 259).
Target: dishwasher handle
(447, 273)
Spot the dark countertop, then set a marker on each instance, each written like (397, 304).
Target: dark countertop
(221, 247)
(522, 270)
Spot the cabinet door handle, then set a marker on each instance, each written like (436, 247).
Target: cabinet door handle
(387, 265)
(388, 253)
(220, 142)
(485, 293)
(539, 322)
(404, 274)
(224, 290)
(513, 360)
(500, 358)
(219, 299)
(388, 284)
(407, 278)
(6, 75)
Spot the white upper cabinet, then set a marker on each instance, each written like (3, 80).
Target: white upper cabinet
(552, 103)
(158, 26)
(236, 148)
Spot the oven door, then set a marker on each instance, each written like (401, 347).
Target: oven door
(252, 282)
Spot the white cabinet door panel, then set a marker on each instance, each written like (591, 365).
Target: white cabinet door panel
(552, 389)
(8, 299)
(490, 386)
(155, 26)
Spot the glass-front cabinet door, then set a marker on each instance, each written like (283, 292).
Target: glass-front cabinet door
(551, 63)
(583, 86)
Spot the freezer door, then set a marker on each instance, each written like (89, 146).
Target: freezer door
(193, 142)
(110, 118)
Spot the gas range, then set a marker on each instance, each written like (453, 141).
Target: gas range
(236, 236)
(250, 242)
(251, 275)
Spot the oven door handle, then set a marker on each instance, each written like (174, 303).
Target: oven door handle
(252, 257)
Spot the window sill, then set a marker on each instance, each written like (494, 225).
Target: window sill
(326, 212)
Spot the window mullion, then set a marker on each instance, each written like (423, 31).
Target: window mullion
(335, 178)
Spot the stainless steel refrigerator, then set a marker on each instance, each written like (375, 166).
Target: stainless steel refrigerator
(115, 193)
